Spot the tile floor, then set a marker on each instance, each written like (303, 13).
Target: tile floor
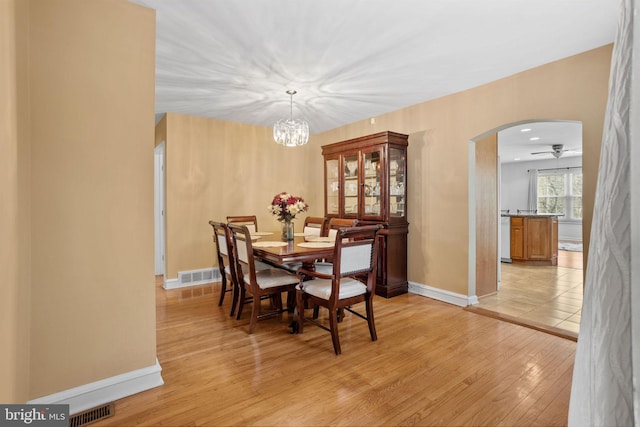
(547, 296)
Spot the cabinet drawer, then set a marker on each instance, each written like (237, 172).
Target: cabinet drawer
(517, 221)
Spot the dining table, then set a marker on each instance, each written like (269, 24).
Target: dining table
(302, 249)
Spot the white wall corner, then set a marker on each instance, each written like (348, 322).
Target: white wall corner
(442, 295)
(104, 391)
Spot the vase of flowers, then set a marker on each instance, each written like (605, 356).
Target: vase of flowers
(287, 231)
(285, 207)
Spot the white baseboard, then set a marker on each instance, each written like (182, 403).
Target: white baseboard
(172, 284)
(104, 391)
(442, 295)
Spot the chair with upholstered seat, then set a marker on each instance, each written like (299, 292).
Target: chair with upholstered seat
(249, 220)
(252, 224)
(224, 252)
(354, 258)
(259, 284)
(314, 226)
(333, 226)
(226, 265)
(337, 223)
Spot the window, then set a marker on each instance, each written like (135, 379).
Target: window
(560, 192)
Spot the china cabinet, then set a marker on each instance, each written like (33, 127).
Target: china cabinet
(366, 179)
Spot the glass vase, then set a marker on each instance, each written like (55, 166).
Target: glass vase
(287, 231)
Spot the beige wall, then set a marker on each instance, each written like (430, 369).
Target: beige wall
(210, 163)
(215, 168)
(14, 219)
(574, 88)
(218, 168)
(82, 194)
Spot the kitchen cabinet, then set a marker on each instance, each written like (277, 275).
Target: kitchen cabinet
(534, 239)
(366, 179)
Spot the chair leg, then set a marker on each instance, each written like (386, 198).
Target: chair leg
(333, 325)
(370, 319)
(272, 301)
(316, 311)
(243, 296)
(223, 289)
(255, 311)
(299, 313)
(277, 303)
(291, 301)
(234, 300)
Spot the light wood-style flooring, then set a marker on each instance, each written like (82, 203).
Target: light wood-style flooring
(433, 364)
(548, 298)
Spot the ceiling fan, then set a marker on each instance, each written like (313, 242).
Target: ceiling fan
(558, 150)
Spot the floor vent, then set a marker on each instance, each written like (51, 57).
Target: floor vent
(197, 277)
(92, 415)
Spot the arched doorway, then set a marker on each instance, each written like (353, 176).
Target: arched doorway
(487, 196)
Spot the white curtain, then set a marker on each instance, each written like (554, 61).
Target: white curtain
(533, 190)
(602, 389)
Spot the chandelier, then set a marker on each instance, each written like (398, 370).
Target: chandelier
(290, 132)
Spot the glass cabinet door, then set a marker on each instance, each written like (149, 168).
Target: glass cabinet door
(373, 188)
(350, 172)
(333, 187)
(397, 182)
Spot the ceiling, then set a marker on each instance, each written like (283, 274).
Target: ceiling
(356, 59)
(517, 143)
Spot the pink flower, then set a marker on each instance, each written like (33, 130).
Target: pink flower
(286, 206)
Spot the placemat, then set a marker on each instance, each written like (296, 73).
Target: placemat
(316, 244)
(269, 244)
(261, 233)
(320, 239)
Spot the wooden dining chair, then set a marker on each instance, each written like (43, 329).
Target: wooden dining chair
(249, 220)
(314, 226)
(352, 281)
(258, 284)
(337, 223)
(224, 252)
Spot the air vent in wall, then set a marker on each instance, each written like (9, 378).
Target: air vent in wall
(92, 415)
(197, 277)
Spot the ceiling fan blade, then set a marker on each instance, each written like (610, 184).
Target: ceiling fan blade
(543, 152)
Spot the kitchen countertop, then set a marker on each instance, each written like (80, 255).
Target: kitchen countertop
(530, 215)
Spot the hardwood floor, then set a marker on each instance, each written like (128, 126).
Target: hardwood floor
(547, 298)
(433, 364)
